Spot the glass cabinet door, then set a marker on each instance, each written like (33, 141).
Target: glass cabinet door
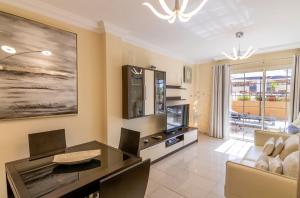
(160, 92)
(136, 92)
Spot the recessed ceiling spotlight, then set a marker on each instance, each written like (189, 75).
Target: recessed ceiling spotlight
(46, 53)
(8, 49)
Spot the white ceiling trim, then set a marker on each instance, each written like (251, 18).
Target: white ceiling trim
(44, 9)
(59, 14)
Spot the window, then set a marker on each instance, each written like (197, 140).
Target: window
(259, 100)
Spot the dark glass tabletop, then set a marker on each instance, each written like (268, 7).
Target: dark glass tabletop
(42, 178)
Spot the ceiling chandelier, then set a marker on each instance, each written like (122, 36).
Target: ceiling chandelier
(178, 11)
(237, 54)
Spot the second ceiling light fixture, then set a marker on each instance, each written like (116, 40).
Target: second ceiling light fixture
(178, 11)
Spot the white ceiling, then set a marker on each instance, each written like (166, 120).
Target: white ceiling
(268, 24)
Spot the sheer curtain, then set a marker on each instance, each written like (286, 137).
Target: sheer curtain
(295, 90)
(220, 101)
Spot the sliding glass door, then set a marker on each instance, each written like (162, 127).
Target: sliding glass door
(259, 100)
(277, 93)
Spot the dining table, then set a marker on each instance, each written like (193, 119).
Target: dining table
(42, 177)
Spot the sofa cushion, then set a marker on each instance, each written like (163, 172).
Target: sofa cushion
(275, 165)
(290, 145)
(254, 153)
(262, 163)
(279, 144)
(269, 146)
(290, 165)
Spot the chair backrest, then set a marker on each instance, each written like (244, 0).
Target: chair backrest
(129, 183)
(46, 143)
(130, 141)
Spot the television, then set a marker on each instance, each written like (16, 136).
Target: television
(177, 117)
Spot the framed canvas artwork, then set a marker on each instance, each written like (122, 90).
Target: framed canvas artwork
(38, 69)
(188, 74)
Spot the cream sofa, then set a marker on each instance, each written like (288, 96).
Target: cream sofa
(243, 180)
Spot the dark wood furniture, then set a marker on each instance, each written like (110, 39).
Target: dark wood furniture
(42, 178)
(174, 98)
(133, 92)
(129, 183)
(160, 92)
(144, 92)
(46, 143)
(130, 141)
(175, 87)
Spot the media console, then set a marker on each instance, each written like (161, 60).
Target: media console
(156, 149)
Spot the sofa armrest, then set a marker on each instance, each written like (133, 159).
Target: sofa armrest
(247, 182)
(260, 137)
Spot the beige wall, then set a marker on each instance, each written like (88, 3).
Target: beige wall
(88, 125)
(203, 82)
(202, 95)
(100, 57)
(120, 53)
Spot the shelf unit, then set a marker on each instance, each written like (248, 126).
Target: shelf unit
(175, 87)
(174, 98)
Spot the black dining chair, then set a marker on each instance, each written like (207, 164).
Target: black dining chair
(130, 141)
(47, 143)
(129, 183)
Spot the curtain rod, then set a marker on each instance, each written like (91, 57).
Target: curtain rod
(262, 61)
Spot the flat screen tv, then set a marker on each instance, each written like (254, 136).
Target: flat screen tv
(177, 117)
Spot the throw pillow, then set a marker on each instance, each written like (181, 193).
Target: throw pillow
(269, 146)
(290, 165)
(262, 163)
(275, 165)
(293, 129)
(279, 144)
(290, 145)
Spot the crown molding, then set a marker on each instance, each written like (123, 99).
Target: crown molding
(44, 9)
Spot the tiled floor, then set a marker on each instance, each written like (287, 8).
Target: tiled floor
(197, 171)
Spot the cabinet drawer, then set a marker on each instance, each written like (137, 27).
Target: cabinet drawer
(190, 137)
(154, 152)
(174, 147)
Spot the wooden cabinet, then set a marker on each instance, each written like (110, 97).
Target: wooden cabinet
(154, 152)
(133, 92)
(190, 136)
(144, 92)
(160, 92)
(149, 92)
(156, 149)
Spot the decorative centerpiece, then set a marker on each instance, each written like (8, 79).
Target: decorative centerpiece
(79, 157)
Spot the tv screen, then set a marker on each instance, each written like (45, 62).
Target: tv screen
(177, 117)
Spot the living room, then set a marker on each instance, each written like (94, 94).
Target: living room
(208, 92)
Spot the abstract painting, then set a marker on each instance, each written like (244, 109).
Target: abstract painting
(38, 69)
(187, 74)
